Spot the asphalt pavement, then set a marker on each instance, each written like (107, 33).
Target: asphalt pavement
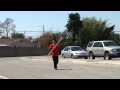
(41, 67)
(98, 60)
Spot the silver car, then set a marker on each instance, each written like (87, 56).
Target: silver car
(73, 52)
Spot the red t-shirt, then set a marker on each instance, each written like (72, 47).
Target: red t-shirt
(55, 51)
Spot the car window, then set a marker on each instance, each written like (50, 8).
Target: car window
(90, 44)
(96, 44)
(100, 44)
(76, 48)
(107, 44)
(66, 49)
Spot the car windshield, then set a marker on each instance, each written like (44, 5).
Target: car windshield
(107, 44)
(76, 48)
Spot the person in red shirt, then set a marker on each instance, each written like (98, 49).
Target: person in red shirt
(54, 53)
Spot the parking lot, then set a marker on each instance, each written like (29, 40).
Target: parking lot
(41, 67)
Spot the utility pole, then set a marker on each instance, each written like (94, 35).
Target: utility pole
(43, 29)
(24, 33)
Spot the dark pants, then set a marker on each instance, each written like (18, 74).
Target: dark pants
(55, 61)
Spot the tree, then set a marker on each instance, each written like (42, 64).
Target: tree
(17, 35)
(94, 29)
(115, 37)
(74, 24)
(7, 26)
(44, 40)
(65, 34)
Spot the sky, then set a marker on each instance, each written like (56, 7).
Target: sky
(53, 20)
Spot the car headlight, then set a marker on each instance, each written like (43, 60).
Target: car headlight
(113, 50)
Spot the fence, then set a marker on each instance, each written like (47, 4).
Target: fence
(23, 51)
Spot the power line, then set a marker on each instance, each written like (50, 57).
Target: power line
(29, 31)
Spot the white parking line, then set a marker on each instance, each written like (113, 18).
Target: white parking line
(3, 77)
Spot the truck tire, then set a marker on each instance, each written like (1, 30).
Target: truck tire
(107, 56)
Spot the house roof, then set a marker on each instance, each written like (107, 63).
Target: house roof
(10, 41)
(5, 41)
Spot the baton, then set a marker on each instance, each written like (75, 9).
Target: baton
(55, 45)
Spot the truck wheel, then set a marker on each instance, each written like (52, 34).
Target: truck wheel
(107, 56)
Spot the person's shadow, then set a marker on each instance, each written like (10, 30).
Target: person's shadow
(64, 69)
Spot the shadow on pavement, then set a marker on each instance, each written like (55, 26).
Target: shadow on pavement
(64, 69)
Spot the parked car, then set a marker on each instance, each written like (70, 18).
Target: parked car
(106, 48)
(73, 52)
